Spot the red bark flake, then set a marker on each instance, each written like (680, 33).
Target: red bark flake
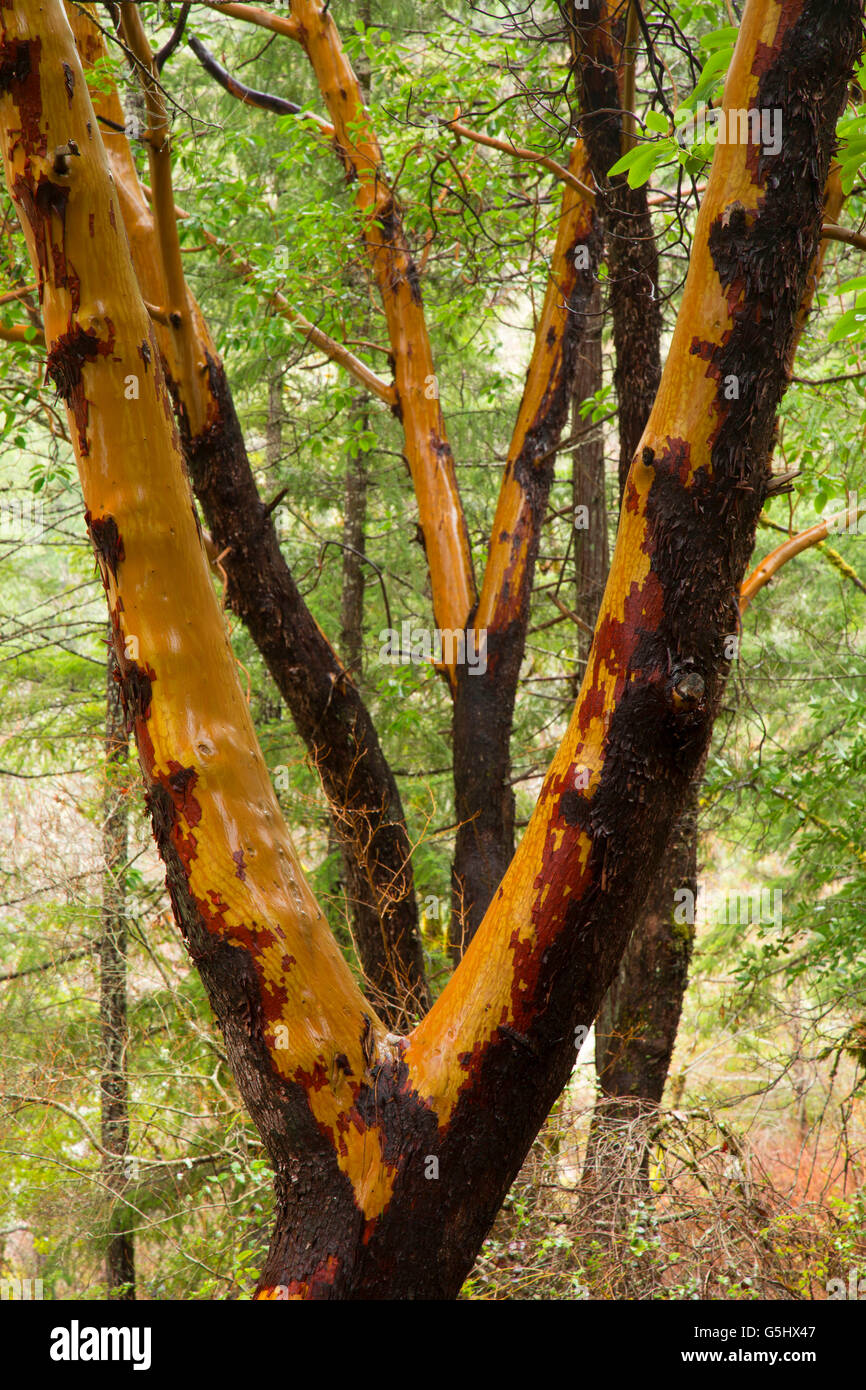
(180, 782)
(19, 74)
(64, 366)
(106, 540)
(315, 1080)
(318, 1283)
(631, 501)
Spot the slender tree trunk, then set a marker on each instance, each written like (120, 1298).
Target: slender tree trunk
(354, 543)
(636, 1028)
(637, 1024)
(274, 426)
(598, 30)
(591, 548)
(120, 1251)
(484, 697)
(324, 702)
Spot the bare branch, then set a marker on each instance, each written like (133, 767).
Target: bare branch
(520, 152)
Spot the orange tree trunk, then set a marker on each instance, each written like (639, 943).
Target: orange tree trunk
(637, 1023)
(393, 1154)
(325, 703)
(484, 699)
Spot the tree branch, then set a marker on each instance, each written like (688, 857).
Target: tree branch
(844, 234)
(174, 38)
(325, 704)
(21, 333)
(248, 95)
(159, 160)
(431, 463)
(521, 152)
(795, 545)
(278, 24)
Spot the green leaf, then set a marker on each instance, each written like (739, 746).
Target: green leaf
(721, 38)
(849, 324)
(641, 169)
(631, 157)
(656, 121)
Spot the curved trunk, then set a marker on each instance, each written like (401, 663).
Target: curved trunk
(485, 692)
(637, 1024)
(325, 704)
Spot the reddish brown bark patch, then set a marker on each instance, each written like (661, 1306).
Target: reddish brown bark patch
(181, 781)
(64, 367)
(14, 64)
(137, 685)
(19, 68)
(106, 539)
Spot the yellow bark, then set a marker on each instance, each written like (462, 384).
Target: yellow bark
(193, 728)
(510, 534)
(428, 454)
(548, 872)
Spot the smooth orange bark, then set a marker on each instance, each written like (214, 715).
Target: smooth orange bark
(510, 534)
(192, 723)
(795, 545)
(428, 453)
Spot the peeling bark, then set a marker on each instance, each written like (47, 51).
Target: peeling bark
(484, 701)
(325, 704)
(598, 33)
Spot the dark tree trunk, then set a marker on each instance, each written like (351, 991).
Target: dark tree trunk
(598, 36)
(120, 1250)
(484, 703)
(637, 1023)
(326, 707)
(636, 1028)
(591, 548)
(354, 542)
(274, 427)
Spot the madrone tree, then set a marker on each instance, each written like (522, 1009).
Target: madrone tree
(392, 1151)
